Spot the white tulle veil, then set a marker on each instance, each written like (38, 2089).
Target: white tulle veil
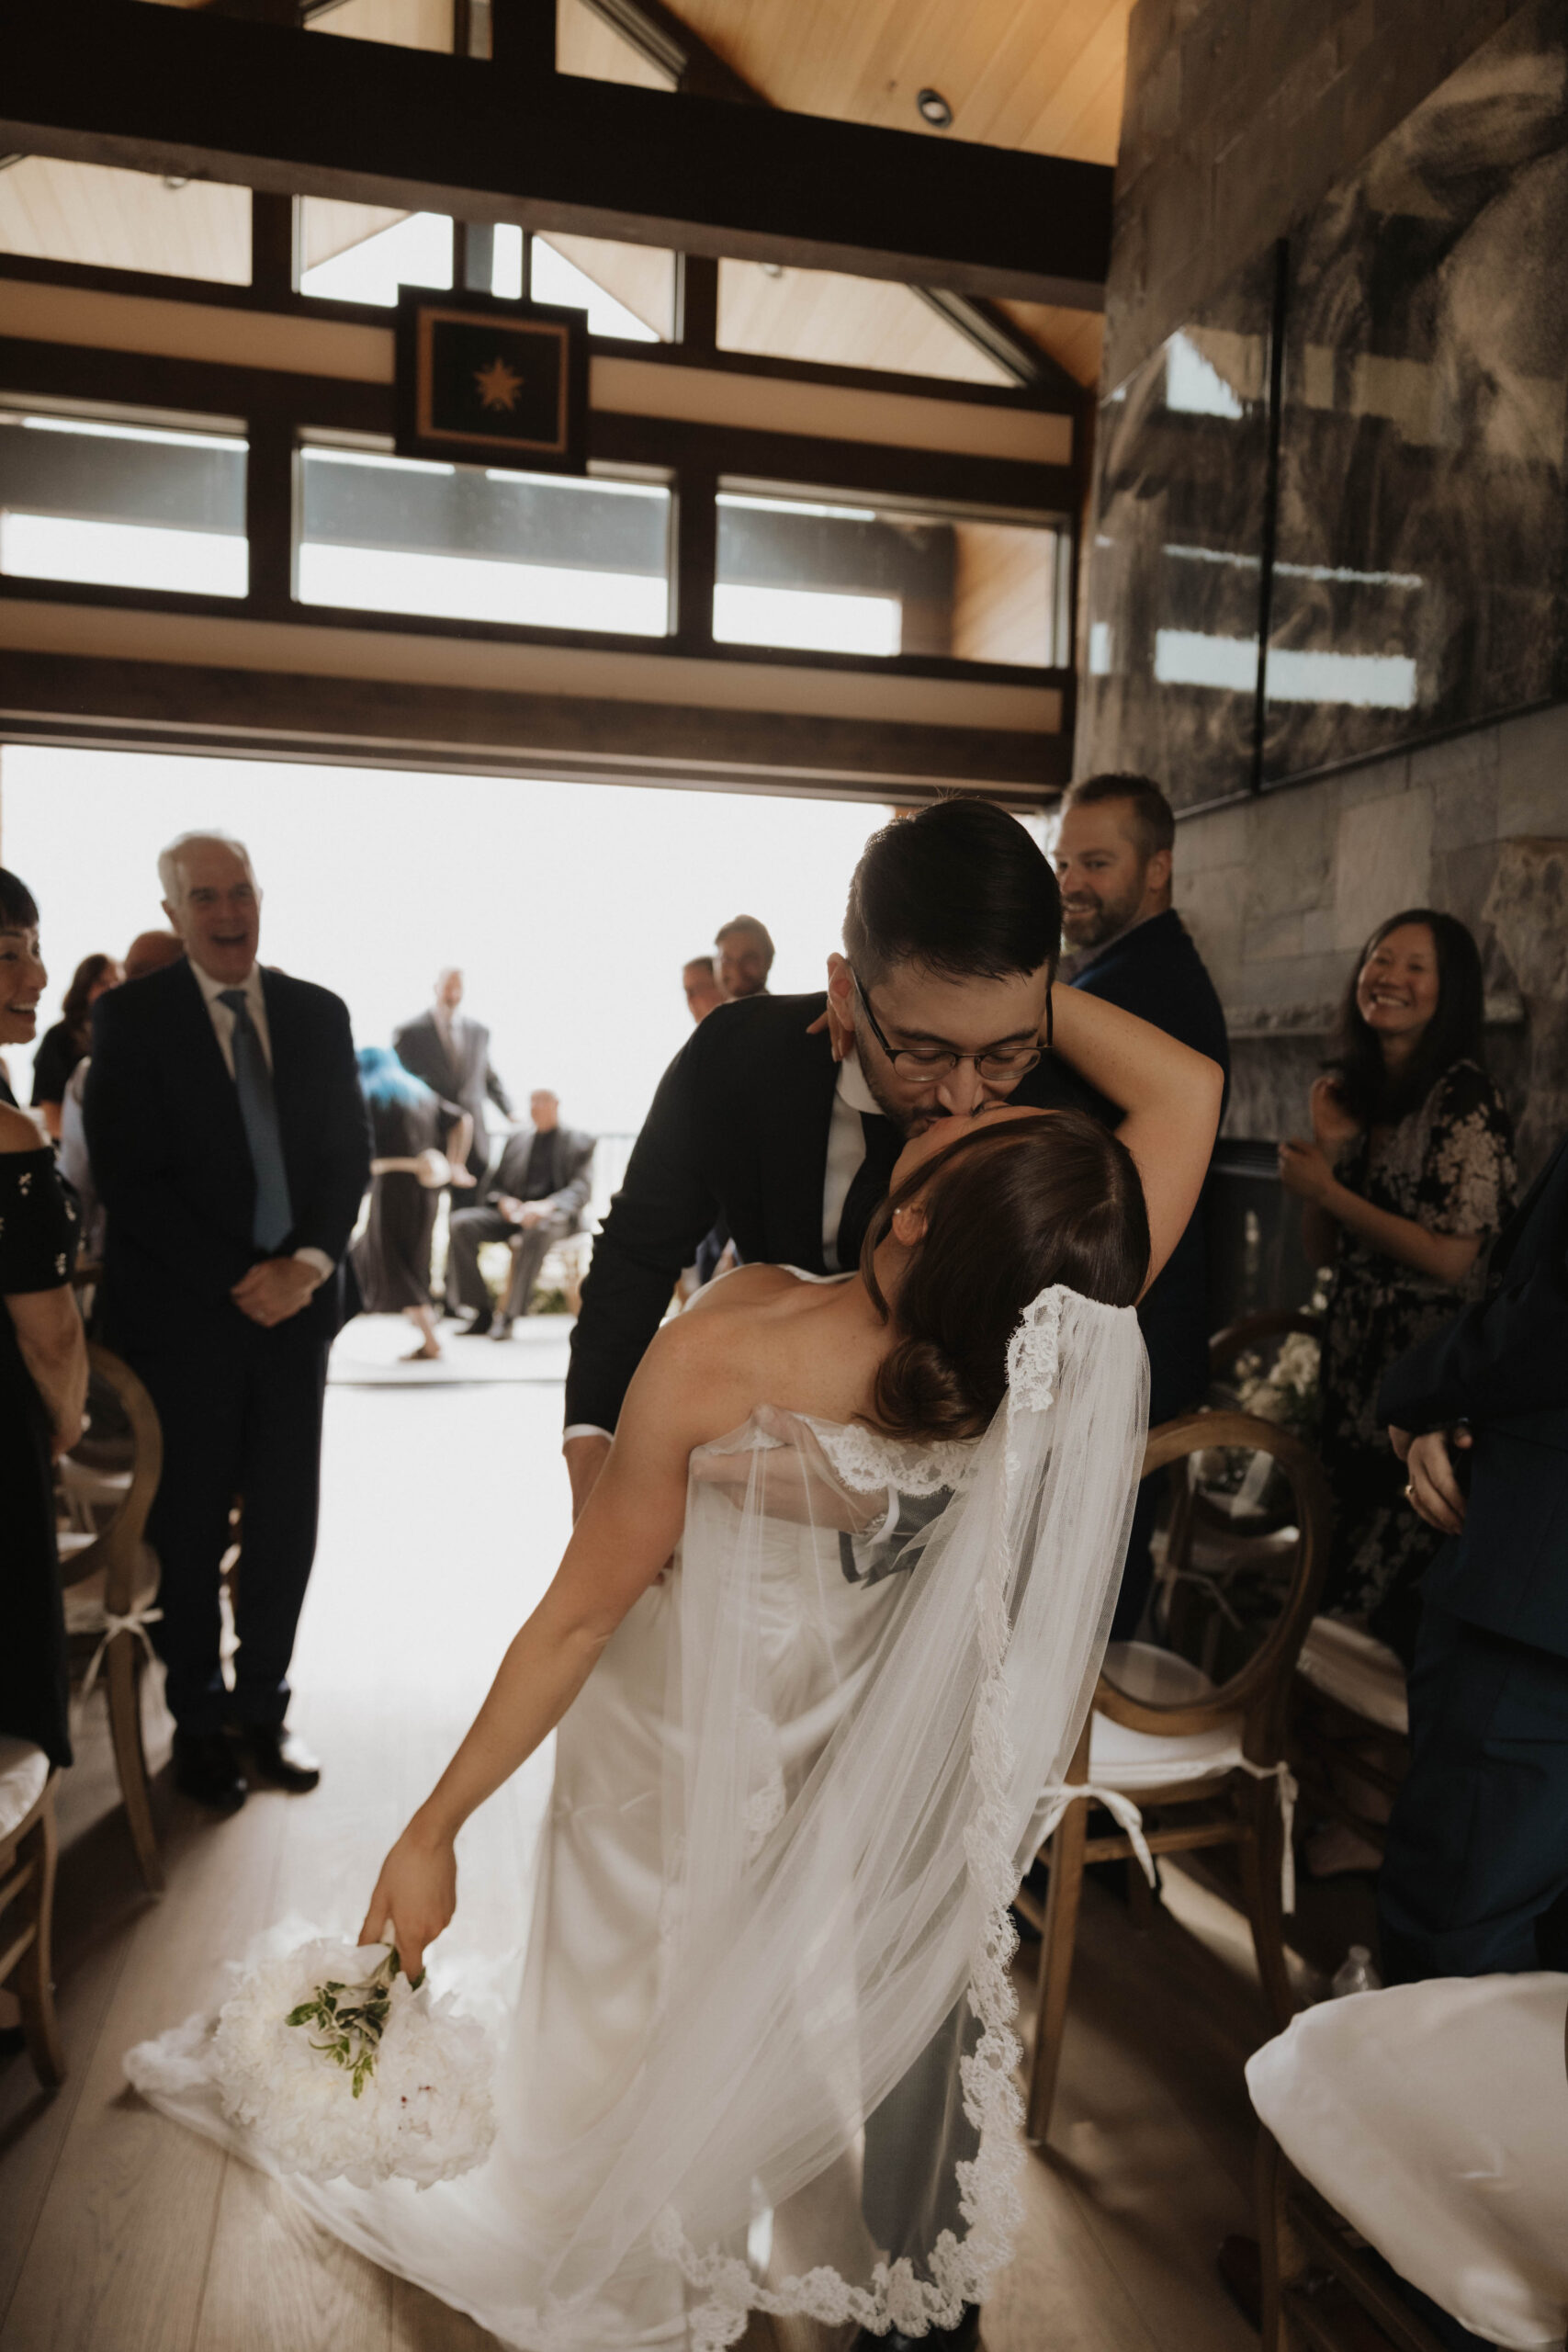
(825, 2120)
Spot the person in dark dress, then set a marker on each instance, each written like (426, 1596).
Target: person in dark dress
(1409, 1178)
(1114, 855)
(43, 1367)
(61, 1048)
(421, 1144)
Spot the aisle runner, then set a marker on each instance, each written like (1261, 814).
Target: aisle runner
(367, 1353)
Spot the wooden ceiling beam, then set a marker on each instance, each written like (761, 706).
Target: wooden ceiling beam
(178, 90)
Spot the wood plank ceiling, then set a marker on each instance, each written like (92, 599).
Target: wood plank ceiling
(1045, 76)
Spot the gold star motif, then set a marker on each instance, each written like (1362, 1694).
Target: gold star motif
(498, 384)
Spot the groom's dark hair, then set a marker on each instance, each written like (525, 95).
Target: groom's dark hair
(960, 887)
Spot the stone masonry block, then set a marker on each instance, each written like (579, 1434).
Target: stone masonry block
(1533, 774)
(1275, 936)
(1220, 837)
(1377, 781)
(1293, 845)
(1383, 862)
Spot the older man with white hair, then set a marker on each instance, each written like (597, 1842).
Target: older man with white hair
(231, 1148)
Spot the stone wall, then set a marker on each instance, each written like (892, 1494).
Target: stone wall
(1240, 116)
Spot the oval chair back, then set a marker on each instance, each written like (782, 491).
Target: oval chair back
(1215, 1798)
(107, 1624)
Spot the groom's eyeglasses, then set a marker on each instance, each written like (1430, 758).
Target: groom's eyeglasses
(935, 1061)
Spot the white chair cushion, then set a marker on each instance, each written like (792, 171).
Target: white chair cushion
(1434, 2116)
(1357, 1672)
(1119, 1758)
(24, 1770)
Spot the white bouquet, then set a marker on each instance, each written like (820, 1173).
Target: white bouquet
(338, 2066)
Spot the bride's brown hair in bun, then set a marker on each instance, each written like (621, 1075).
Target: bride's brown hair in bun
(1010, 1210)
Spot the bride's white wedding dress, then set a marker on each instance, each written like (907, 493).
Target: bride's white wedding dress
(761, 2053)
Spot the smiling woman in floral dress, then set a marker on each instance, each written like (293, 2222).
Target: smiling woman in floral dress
(1409, 1178)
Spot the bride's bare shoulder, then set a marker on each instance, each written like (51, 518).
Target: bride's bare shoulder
(742, 1292)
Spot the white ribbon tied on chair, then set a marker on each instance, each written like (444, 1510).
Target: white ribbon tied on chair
(1286, 1780)
(1123, 1810)
(136, 1624)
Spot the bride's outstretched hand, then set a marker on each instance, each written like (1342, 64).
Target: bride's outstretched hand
(415, 1897)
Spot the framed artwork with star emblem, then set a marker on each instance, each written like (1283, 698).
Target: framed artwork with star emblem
(481, 382)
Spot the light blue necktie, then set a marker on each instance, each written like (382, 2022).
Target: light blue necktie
(253, 1080)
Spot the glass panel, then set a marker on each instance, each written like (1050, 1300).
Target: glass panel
(815, 314)
(123, 501)
(586, 45)
(404, 23)
(362, 253)
(627, 290)
(875, 580)
(114, 219)
(396, 535)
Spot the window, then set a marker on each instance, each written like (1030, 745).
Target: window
(394, 535)
(874, 579)
(404, 23)
(109, 219)
(815, 314)
(123, 501)
(627, 290)
(362, 253)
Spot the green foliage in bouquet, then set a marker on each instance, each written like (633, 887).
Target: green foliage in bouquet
(352, 2018)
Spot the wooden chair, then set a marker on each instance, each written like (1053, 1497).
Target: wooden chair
(1350, 1727)
(110, 1575)
(1205, 1761)
(27, 1850)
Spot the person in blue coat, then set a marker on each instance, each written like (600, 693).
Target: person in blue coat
(1476, 1877)
(1114, 859)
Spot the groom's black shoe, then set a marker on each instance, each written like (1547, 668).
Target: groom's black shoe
(965, 2337)
(206, 1769)
(277, 1754)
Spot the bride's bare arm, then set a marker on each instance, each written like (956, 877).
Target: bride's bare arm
(693, 1375)
(1171, 1097)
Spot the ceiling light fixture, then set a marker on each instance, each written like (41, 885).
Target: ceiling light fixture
(933, 109)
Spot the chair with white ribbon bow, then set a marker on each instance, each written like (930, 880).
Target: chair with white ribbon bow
(110, 1575)
(1203, 1762)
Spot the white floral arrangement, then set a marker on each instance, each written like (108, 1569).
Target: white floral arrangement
(340, 2066)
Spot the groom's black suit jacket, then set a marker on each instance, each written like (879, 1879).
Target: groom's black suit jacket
(738, 1130)
(173, 1168)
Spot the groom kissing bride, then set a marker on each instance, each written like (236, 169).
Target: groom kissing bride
(818, 1650)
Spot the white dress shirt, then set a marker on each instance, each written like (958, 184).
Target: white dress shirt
(222, 1019)
(846, 1151)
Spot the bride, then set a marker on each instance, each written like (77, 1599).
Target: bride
(819, 1649)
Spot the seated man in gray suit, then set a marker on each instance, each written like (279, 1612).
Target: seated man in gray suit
(451, 1053)
(536, 1196)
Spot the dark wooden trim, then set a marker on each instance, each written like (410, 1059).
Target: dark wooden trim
(274, 250)
(679, 352)
(523, 37)
(179, 89)
(269, 522)
(696, 561)
(209, 388)
(65, 698)
(696, 307)
(695, 643)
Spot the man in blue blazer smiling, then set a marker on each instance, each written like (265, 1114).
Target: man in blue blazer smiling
(231, 1147)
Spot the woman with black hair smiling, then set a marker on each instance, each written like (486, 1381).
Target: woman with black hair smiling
(1409, 1178)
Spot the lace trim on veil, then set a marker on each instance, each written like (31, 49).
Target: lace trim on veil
(960, 2270)
(866, 1461)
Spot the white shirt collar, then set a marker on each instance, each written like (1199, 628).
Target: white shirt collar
(212, 989)
(852, 1091)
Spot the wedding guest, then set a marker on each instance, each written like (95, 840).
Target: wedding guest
(230, 1144)
(745, 958)
(536, 1198)
(701, 983)
(451, 1053)
(1114, 855)
(150, 951)
(1408, 1176)
(418, 1140)
(43, 1365)
(63, 1046)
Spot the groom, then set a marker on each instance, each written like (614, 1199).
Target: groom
(788, 1132)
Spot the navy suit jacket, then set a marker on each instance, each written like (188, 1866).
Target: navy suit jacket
(1155, 972)
(173, 1167)
(1503, 1367)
